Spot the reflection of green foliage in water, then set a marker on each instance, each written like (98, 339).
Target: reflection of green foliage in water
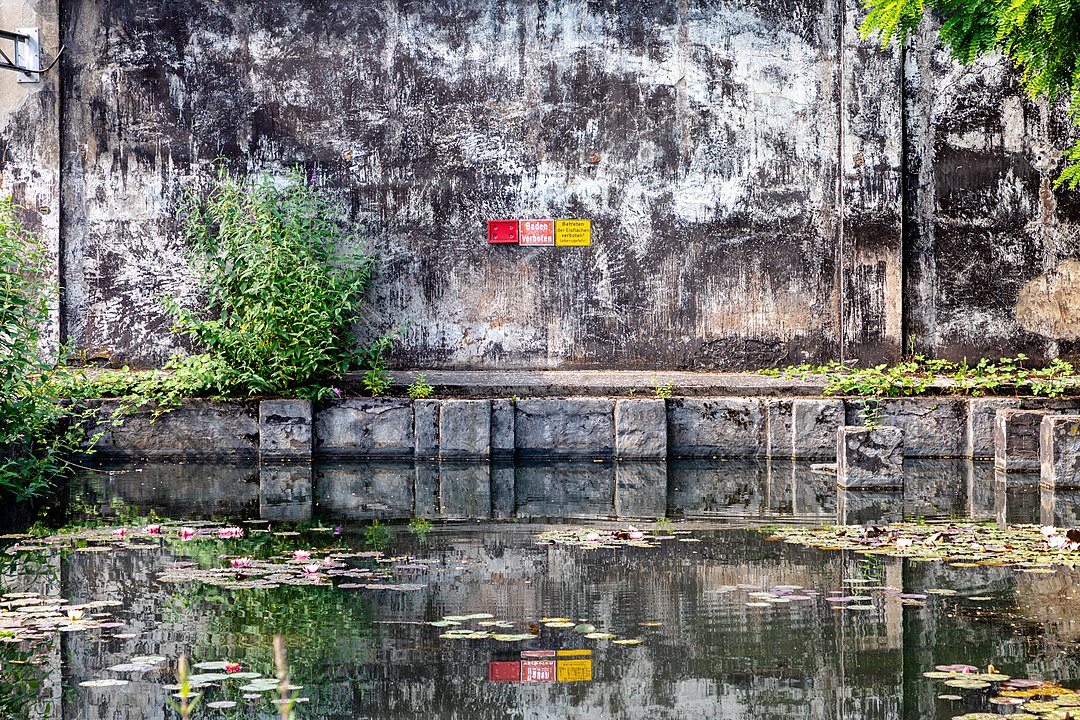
(21, 683)
(420, 528)
(321, 625)
(377, 536)
(21, 678)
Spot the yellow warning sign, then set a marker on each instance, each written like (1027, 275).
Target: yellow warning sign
(575, 670)
(573, 232)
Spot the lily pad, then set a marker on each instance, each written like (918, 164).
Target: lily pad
(211, 665)
(148, 659)
(133, 667)
(103, 682)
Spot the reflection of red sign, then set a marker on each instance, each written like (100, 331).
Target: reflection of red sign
(504, 671)
(502, 231)
(540, 666)
(537, 671)
(537, 232)
(537, 653)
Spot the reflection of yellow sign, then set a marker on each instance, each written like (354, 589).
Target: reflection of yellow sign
(573, 232)
(574, 653)
(575, 670)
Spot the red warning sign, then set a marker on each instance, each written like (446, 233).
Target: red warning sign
(502, 231)
(537, 232)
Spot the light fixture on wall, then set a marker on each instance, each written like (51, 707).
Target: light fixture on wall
(25, 57)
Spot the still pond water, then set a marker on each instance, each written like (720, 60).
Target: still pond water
(702, 618)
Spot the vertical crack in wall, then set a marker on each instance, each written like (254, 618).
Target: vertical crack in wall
(841, 127)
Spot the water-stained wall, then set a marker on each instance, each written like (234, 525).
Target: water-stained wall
(764, 186)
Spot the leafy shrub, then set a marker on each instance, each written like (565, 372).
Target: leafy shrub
(34, 439)
(284, 279)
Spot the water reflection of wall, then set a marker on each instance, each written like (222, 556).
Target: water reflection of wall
(679, 488)
(711, 656)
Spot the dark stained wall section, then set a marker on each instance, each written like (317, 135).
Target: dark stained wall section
(765, 187)
(989, 244)
(701, 138)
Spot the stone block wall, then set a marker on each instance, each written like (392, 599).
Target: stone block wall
(802, 428)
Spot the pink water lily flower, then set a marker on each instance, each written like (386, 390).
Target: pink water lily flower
(186, 533)
(232, 667)
(635, 534)
(119, 532)
(301, 555)
(312, 568)
(241, 562)
(152, 529)
(593, 537)
(227, 533)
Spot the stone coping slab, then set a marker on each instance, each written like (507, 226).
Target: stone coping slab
(601, 383)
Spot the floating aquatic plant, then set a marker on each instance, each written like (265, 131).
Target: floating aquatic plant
(589, 538)
(1037, 699)
(1028, 548)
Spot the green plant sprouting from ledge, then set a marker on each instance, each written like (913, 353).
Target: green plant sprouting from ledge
(420, 389)
(920, 375)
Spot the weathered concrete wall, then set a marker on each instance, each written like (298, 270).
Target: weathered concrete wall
(30, 141)
(702, 140)
(764, 186)
(989, 244)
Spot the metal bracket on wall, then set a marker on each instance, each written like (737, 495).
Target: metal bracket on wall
(25, 54)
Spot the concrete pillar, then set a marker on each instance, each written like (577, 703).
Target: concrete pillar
(980, 491)
(641, 428)
(285, 429)
(869, 457)
(426, 424)
(1059, 452)
(367, 427)
(502, 428)
(426, 489)
(465, 429)
(503, 499)
(571, 427)
(641, 488)
(814, 422)
(465, 490)
(285, 492)
(871, 506)
(1016, 498)
(1059, 508)
(1016, 439)
(981, 419)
